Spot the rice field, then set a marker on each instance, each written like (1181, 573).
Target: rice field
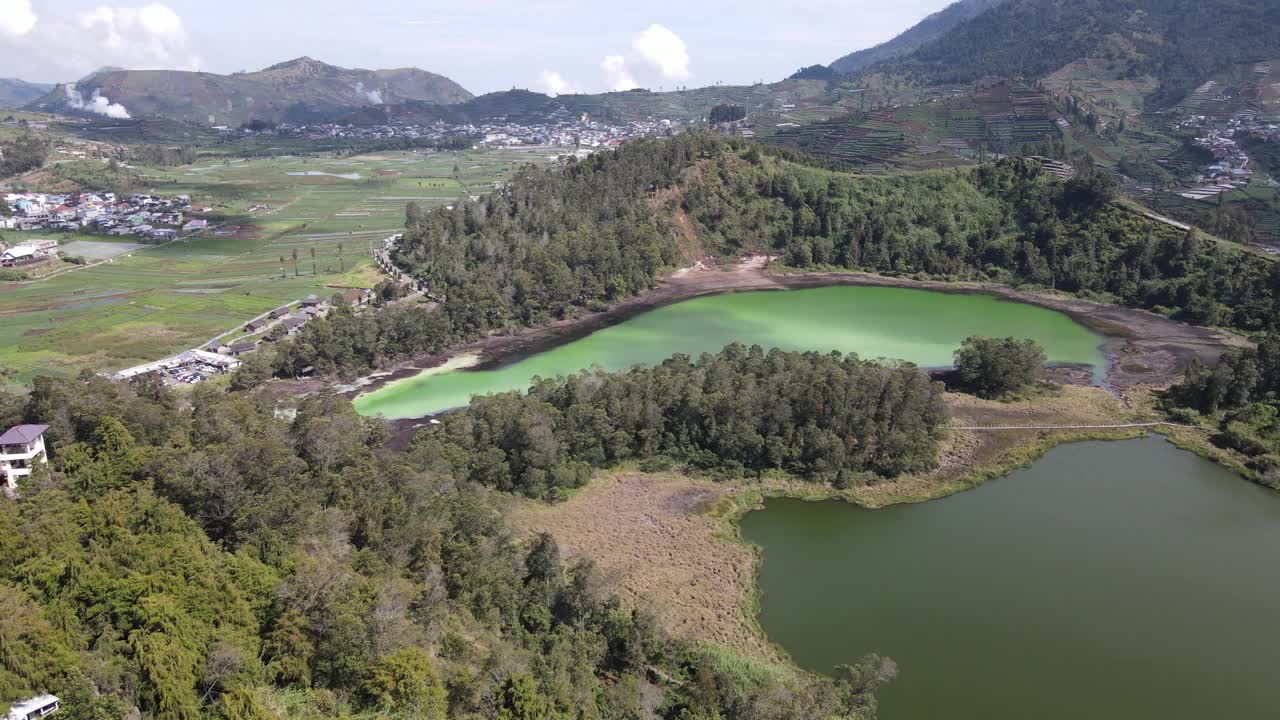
(147, 303)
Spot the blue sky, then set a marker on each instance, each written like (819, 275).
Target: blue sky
(486, 45)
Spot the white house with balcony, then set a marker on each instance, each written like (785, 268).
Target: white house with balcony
(21, 448)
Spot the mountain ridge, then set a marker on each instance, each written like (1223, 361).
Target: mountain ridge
(15, 92)
(302, 89)
(928, 29)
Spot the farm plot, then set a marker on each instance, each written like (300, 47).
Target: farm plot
(159, 300)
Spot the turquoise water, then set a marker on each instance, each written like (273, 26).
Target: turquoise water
(916, 325)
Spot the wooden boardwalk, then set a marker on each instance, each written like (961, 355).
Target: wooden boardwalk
(1063, 427)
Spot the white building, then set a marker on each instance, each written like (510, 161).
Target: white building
(33, 708)
(21, 448)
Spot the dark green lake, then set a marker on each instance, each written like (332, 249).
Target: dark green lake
(915, 325)
(1109, 581)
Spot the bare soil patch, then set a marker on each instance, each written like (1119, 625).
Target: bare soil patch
(672, 541)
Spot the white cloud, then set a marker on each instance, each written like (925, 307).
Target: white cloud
(95, 104)
(616, 74)
(664, 50)
(69, 46)
(16, 17)
(553, 83)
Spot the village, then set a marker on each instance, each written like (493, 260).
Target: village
(148, 218)
(225, 353)
(566, 131)
(1230, 169)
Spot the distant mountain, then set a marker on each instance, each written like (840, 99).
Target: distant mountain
(1181, 43)
(931, 28)
(15, 93)
(300, 90)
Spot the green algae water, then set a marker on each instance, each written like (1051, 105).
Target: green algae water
(915, 325)
(1109, 581)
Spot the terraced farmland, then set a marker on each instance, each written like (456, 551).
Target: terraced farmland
(148, 303)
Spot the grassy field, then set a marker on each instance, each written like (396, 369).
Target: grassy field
(147, 303)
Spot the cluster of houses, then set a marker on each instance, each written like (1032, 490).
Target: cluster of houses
(218, 357)
(152, 218)
(559, 130)
(1230, 167)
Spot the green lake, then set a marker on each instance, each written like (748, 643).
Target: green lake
(916, 325)
(1109, 581)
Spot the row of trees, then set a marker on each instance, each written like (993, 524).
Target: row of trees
(209, 557)
(828, 417)
(1241, 394)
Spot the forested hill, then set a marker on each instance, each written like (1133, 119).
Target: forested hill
(930, 28)
(207, 557)
(300, 90)
(1179, 42)
(556, 242)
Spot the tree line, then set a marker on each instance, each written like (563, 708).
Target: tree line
(1241, 397)
(829, 417)
(208, 556)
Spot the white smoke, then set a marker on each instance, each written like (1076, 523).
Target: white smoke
(16, 17)
(664, 50)
(616, 73)
(374, 95)
(95, 104)
(553, 83)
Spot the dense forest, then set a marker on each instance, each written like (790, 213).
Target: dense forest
(1005, 222)
(1241, 395)
(22, 154)
(552, 241)
(557, 241)
(1179, 42)
(824, 416)
(211, 557)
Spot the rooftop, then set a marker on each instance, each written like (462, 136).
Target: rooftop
(22, 434)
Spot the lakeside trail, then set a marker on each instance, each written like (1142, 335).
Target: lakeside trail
(981, 428)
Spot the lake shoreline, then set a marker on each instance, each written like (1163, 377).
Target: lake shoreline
(636, 524)
(1139, 347)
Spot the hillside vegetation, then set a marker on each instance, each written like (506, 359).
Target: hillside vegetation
(931, 28)
(214, 559)
(556, 242)
(300, 90)
(1179, 42)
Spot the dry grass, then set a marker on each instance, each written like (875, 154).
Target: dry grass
(672, 541)
(668, 554)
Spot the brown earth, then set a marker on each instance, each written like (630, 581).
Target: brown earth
(671, 541)
(1142, 348)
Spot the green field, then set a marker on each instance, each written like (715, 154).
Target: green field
(156, 301)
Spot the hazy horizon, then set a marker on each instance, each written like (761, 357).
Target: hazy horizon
(553, 46)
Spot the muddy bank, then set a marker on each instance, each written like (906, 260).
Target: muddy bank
(1141, 348)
